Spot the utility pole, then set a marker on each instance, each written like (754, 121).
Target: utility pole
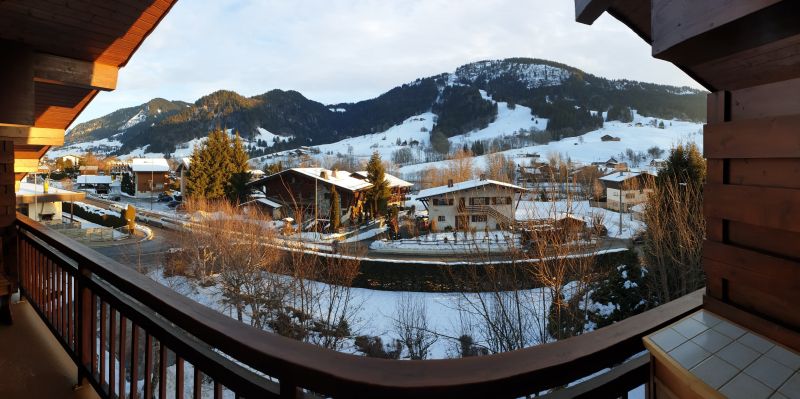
(151, 188)
(620, 209)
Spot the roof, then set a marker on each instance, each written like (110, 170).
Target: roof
(393, 181)
(88, 167)
(149, 165)
(466, 185)
(71, 60)
(622, 176)
(264, 201)
(566, 215)
(29, 193)
(93, 179)
(342, 179)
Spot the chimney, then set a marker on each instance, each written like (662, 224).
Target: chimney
(483, 176)
(323, 174)
(333, 173)
(449, 182)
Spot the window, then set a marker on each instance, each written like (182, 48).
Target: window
(442, 201)
(630, 195)
(442, 219)
(501, 200)
(479, 201)
(478, 218)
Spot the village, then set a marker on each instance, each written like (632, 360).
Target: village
(601, 202)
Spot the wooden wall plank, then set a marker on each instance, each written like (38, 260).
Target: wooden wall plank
(773, 99)
(761, 283)
(778, 172)
(16, 84)
(761, 206)
(773, 137)
(777, 242)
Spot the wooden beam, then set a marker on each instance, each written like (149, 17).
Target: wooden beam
(71, 72)
(16, 84)
(23, 165)
(587, 11)
(693, 32)
(775, 208)
(775, 137)
(22, 134)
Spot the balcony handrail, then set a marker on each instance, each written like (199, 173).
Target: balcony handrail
(300, 364)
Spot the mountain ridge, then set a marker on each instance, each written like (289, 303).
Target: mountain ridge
(564, 94)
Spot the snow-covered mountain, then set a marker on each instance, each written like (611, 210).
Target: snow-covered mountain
(475, 102)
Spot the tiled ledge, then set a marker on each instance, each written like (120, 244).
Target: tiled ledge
(730, 360)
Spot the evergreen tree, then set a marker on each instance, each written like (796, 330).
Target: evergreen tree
(219, 169)
(378, 194)
(238, 168)
(127, 184)
(336, 212)
(623, 294)
(685, 164)
(439, 142)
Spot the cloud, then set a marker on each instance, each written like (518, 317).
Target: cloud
(336, 51)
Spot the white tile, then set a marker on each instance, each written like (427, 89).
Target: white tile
(668, 339)
(738, 355)
(729, 329)
(769, 372)
(745, 387)
(715, 372)
(689, 327)
(756, 342)
(711, 340)
(784, 357)
(791, 388)
(707, 318)
(689, 354)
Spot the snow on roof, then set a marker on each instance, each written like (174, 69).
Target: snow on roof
(342, 178)
(262, 200)
(38, 189)
(186, 162)
(149, 165)
(394, 181)
(567, 215)
(621, 176)
(93, 179)
(466, 185)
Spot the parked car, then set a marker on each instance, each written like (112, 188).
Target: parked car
(116, 198)
(173, 204)
(166, 198)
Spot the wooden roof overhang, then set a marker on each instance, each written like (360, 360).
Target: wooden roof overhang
(50, 197)
(724, 45)
(63, 53)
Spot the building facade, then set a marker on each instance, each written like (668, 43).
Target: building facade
(627, 189)
(150, 176)
(478, 205)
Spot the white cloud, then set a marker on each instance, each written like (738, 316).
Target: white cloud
(335, 51)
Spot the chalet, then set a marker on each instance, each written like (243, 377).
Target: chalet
(88, 169)
(627, 188)
(42, 203)
(94, 183)
(264, 206)
(399, 187)
(608, 137)
(473, 204)
(658, 164)
(307, 191)
(150, 175)
(73, 159)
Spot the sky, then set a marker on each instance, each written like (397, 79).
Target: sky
(349, 50)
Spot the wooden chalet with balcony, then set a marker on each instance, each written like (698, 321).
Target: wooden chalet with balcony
(86, 319)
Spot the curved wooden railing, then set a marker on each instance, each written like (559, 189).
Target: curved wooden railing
(93, 303)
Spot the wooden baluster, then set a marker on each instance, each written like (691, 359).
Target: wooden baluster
(94, 334)
(112, 344)
(198, 383)
(217, 390)
(148, 366)
(85, 315)
(178, 377)
(103, 334)
(123, 333)
(134, 360)
(162, 372)
(70, 314)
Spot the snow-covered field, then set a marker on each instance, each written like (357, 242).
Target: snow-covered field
(589, 147)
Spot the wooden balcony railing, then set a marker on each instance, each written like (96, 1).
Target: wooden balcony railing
(122, 328)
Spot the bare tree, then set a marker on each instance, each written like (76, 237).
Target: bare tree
(411, 325)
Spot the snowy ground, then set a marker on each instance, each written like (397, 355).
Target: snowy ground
(589, 147)
(449, 243)
(530, 210)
